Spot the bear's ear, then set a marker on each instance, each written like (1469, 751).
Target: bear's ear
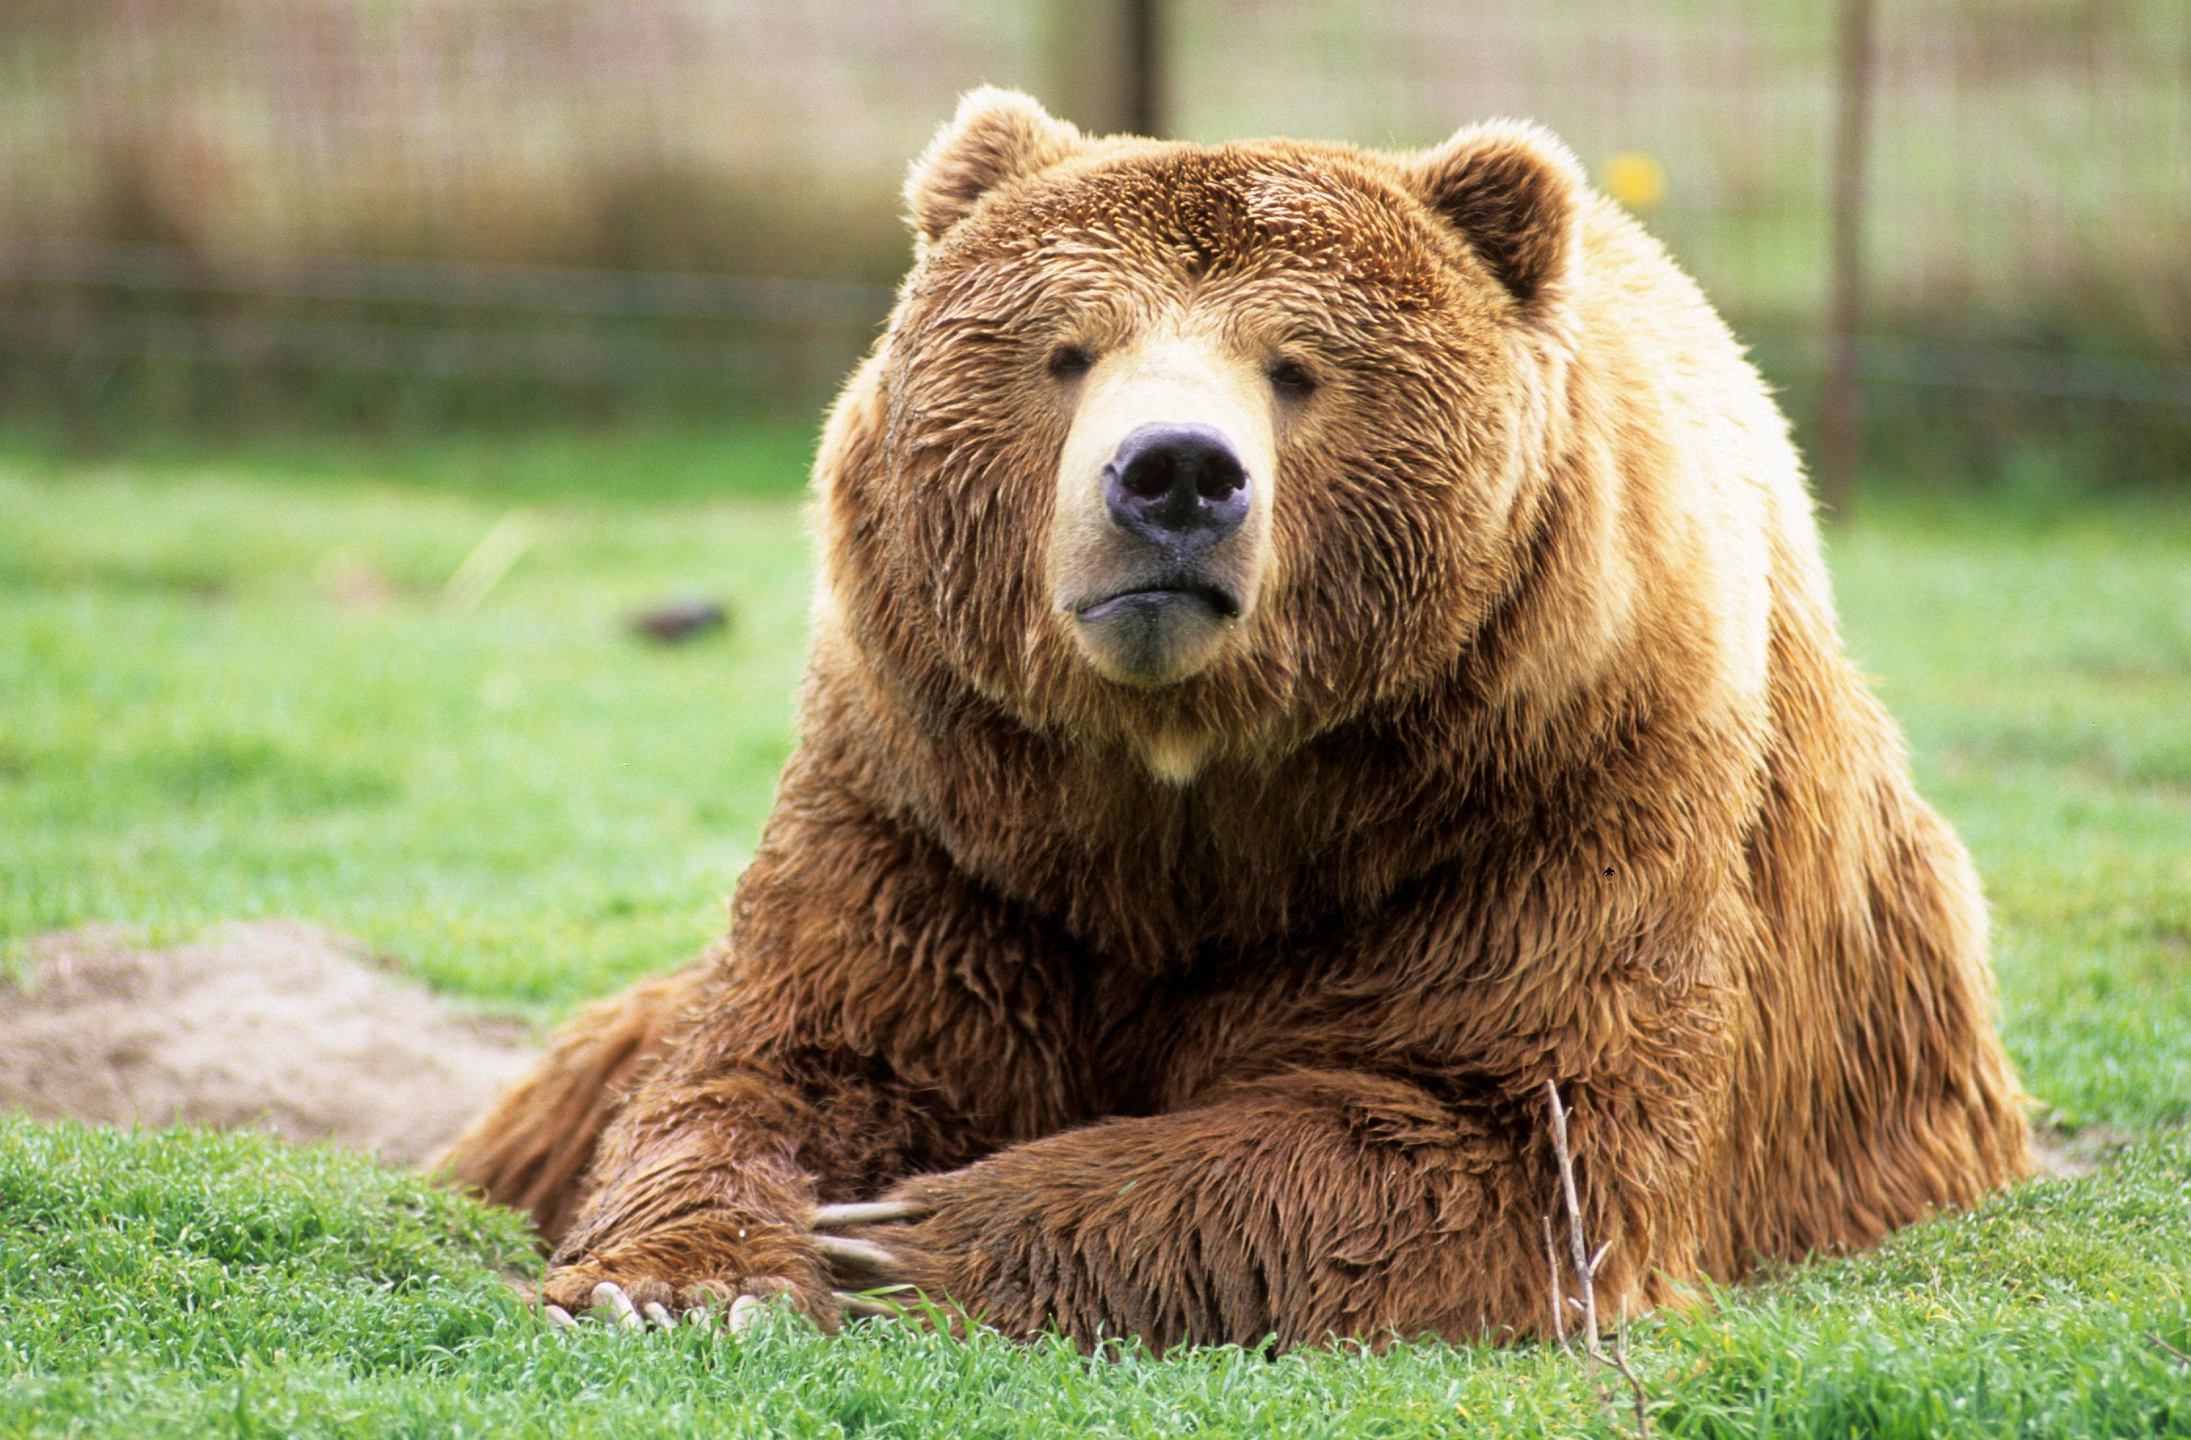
(998, 135)
(1512, 191)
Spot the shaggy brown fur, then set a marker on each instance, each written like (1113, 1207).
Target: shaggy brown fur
(540, 1136)
(1223, 1009)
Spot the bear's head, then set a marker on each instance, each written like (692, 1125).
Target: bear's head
(1202, 449)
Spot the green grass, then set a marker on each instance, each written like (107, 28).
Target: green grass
(2040, 659)
(192, 1285)
(235, 688)
(230, 697)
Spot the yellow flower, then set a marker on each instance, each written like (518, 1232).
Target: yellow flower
(1635, 179)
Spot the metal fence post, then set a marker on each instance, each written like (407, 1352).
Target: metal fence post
(1145, 66)
(1841, 418)
(1107, 65)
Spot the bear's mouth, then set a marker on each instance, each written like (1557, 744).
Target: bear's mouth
(1220, 603)
(1156, 634)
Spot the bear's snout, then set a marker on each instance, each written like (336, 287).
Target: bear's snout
(1175, 492)
(1162, 531)
(1179, 487)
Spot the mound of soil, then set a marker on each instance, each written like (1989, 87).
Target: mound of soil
(281, 1026)
(272, 1025)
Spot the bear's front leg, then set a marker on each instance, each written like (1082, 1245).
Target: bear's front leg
(690, 1210)
(876, 1016)
(1302, 1207)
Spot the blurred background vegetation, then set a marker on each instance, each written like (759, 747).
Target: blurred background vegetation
(374, 218)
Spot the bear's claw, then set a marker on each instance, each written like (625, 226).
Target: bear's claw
(611, 1303)
(857, 1258)
(872, 1212)
(609, 1297)
(860, 1266)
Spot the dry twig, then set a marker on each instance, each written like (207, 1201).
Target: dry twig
(1586, 1270)
(2167, 1349)
(1559, 1304)
(1635, 1382)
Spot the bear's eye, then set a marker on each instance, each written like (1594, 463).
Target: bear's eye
(1070, 362)
(1291, 377)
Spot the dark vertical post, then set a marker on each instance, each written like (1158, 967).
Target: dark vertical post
(1107, 65)
(1144, 61)
(1841, 418)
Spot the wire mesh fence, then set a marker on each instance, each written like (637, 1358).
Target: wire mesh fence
(453, 209)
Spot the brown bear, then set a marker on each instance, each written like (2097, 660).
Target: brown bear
(1311, 645)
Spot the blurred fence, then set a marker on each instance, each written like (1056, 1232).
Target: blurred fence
(455, 209)
(495, 335)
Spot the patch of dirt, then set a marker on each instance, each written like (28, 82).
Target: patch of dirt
(2074, 1154)
(272, 1025)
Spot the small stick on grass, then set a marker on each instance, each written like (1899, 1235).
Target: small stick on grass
(2167, 1349)
(1586, 1271)
(1620, 1363)
(1559, 1303)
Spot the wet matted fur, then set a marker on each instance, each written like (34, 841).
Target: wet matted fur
(1224, 1009)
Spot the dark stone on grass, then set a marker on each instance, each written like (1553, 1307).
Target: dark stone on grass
(680, 620)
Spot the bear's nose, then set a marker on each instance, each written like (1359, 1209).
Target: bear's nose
(1180, 486)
